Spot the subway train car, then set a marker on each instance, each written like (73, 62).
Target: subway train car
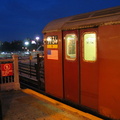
(82, 60)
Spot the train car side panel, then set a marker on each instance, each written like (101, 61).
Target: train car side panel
(89, 68)
(53, 64)
(109, 73)
(71, 67)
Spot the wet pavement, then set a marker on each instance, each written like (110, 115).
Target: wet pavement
(26, 104)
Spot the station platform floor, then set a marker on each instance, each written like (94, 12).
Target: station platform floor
(26, 104)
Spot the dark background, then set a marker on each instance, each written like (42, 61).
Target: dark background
(21, 19)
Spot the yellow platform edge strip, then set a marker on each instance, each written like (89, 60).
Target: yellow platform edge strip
(34, 93)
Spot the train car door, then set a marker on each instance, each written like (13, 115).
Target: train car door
(71, 74)
(89, 68)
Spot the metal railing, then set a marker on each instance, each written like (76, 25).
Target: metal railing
(27, 70)
(32, 75)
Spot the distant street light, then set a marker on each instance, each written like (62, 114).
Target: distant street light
(37, 39)
(26, 43)
(33, 42)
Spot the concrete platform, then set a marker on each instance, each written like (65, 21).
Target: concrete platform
(26, 104)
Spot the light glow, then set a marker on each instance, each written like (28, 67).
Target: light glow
(33, 42)
(37, 38)
(26, 43)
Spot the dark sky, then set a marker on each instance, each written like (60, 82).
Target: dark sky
(20, 19)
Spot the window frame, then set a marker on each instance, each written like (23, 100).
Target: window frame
(66, 47)
(83, 47)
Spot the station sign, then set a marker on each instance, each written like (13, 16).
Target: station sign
(6, 69)
(52, 41)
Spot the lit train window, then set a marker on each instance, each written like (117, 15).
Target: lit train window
(90, 47)
(70, 46)
(51, 40)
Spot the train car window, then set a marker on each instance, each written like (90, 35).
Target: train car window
(51, 40)
(70, 46)
(90, 47)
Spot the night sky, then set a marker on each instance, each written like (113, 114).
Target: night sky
(21, 19)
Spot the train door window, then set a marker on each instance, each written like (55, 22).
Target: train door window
(89, 48)
(70, 46)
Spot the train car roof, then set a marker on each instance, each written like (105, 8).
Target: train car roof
(86, 20)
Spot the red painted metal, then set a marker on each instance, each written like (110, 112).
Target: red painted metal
(109, 70)
(89, 78)
(53, 68)
(95, 85)
(71, 74)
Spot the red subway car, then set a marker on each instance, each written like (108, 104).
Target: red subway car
(82, 60)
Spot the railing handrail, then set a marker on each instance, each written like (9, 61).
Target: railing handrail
(6, 60)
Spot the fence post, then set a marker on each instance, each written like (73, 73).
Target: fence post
(16, 72)
(38, 71)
